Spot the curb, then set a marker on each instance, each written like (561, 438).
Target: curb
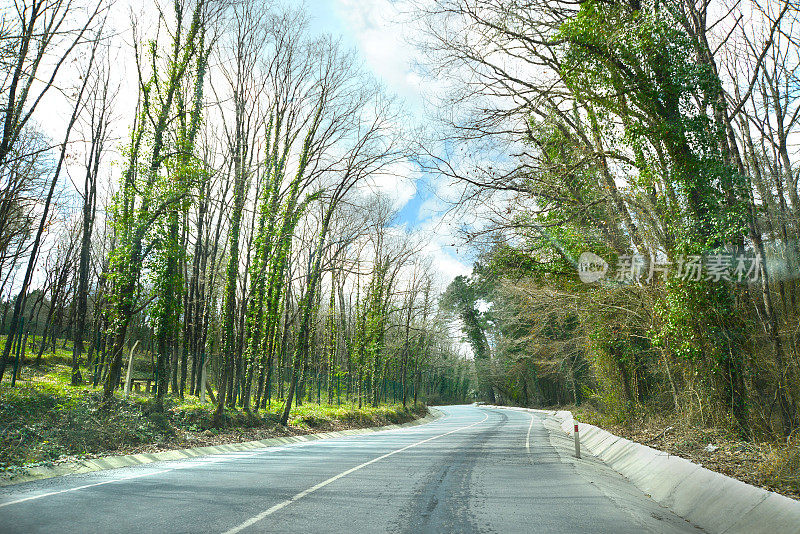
(113, 462)
(710, 500)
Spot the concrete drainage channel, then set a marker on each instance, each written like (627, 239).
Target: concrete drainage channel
(710, 500)
(113, 462)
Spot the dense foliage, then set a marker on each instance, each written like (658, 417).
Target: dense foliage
(653, 136)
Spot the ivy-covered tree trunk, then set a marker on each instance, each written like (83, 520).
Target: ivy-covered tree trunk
(134, 217)
(232, 272)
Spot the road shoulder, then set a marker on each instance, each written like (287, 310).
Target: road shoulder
(28, 474)
(647, 514)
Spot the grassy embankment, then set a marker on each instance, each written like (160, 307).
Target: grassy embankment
(43, 420)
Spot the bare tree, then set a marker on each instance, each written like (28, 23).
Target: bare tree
(40, 38)
(33, 254)
(100, 104)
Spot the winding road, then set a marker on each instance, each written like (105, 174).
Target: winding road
(475, 469)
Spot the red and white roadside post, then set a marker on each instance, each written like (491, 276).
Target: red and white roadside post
(577, 443)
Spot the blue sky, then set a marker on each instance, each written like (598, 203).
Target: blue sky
(373, 28)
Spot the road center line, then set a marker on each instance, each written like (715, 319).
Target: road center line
(255, 519)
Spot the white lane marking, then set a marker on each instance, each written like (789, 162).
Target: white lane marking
(528, 438)
(187, 464)
(32, 497)
(255, 519)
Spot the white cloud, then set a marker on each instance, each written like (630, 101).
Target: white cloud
(397, 182)
(447, 264)
(449, 260)
(381, 41)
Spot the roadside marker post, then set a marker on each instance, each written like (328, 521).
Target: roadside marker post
(129, 374)
(577, 443)
(203, 377)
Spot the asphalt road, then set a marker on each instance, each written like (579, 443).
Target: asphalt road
(476, 469)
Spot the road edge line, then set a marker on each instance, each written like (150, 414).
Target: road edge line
(29, 474)
(710, 500)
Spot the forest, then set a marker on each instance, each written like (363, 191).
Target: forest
(231, 243)
(640, 211)
(622, 171)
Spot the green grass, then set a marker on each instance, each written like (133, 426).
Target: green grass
(317, 416)
(45, 419)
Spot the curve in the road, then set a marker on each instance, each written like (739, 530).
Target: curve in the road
(477, 469)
